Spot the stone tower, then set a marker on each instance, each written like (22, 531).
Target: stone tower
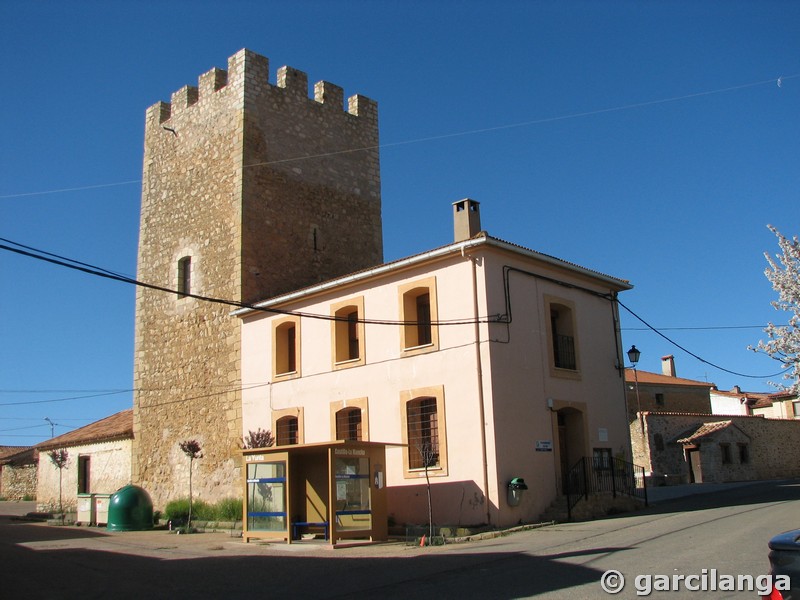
(249, 190)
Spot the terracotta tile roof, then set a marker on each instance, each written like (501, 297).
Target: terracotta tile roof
(657, 413)
(9, 451)
(695, 434)
(118, 426)
(767, 400)
(646, 377)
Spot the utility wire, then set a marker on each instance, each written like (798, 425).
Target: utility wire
(712, 328)
(100, 272)
(92, 270)
(777, 80)
(61, 399)
(690, 353)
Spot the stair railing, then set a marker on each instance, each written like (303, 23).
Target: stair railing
(603, 474)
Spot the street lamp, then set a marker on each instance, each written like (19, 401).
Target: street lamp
(52, 426)
(633, 356)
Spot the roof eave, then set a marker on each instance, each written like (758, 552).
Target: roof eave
(456, 248)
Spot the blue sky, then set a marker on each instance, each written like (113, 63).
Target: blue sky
(653, 141)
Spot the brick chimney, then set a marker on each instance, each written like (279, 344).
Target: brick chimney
(668, 365)
(466, 219)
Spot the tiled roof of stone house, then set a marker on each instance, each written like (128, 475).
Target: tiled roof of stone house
(118, 426)
(695, 434)
(646, 377)
(10, 454)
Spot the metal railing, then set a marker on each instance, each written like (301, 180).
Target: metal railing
(595, 475)
(564, 352)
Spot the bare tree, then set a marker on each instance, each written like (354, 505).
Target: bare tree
(429, 456)
(60, 458)
(193, 450)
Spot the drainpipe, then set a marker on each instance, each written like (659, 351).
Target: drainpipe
(481, 399)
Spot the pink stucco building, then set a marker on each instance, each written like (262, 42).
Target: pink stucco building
(480, 360)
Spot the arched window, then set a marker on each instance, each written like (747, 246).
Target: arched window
(348, 424)
(286, 355)
(563, 337)
(419, 314)
(286, 431)
(184, 276)
(348, 333)
(422, 418)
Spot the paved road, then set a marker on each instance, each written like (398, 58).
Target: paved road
(726, 530)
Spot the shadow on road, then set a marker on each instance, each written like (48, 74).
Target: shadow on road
(86, 574)
(758, 493)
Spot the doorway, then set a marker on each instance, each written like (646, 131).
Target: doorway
(571, 440)
(695, 465)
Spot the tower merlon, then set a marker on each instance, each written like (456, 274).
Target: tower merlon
(361, 106)
(158, 113)
(293, 80)
(329, 94)
(184, 98)
(212, 81)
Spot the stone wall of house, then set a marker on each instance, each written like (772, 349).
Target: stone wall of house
(18, 481)
(109, 470)
(674, 398)
(265, 190)
(773, 447)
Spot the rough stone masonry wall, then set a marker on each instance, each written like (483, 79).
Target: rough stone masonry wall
(253, 227)
(18, 482)
(774, 446)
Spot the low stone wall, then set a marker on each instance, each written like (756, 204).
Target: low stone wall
(18, 482)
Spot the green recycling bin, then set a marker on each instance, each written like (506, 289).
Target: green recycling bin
(130, 509)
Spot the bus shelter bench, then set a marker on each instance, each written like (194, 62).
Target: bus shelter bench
(298, 524)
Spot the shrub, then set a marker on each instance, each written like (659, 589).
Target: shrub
(179, 509)
(229, 509)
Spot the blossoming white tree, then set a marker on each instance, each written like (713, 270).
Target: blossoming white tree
(784, 340)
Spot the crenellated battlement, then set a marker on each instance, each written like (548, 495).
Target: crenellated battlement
(249, 69)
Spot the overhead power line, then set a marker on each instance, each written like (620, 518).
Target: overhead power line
(100, 272)
(69, 263)
(692, 354)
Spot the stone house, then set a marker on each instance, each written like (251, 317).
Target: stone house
(702, 448)
(665, 391)
(17, 472)
(99, 461)
(782, 405)
(476, 362)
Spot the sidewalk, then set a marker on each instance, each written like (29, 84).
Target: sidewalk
(670, 492)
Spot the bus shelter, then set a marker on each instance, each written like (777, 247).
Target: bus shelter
(334, 490)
